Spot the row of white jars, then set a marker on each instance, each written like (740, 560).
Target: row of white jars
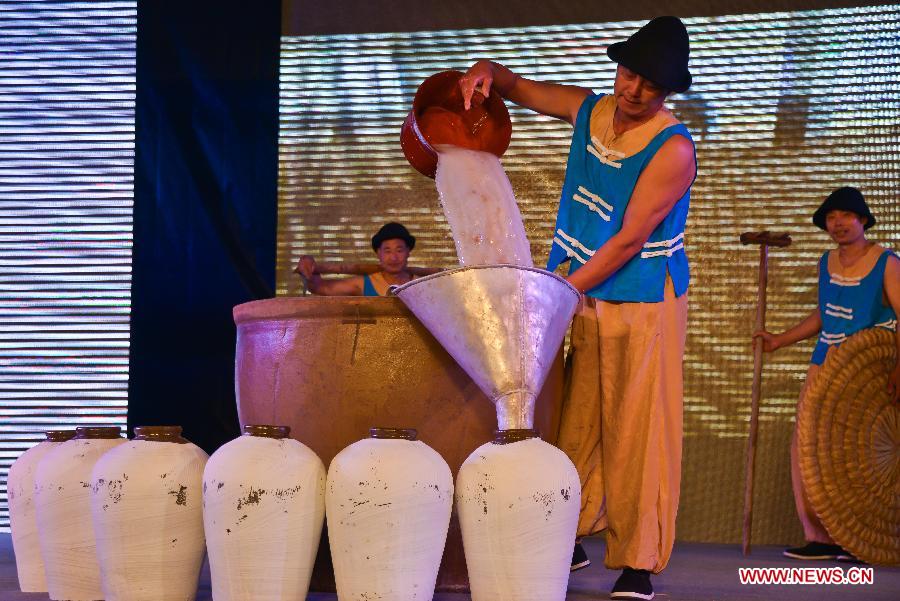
(89, 521)
(100, 517)
(22, 512)
(389, 501)
(388, 504)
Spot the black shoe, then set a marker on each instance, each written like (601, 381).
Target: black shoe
(848, 557)
(632, 584)
(814, 551)
(579, 558)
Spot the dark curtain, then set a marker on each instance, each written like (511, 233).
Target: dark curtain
(205, 204)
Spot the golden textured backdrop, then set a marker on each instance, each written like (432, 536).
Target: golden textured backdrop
(784, 108)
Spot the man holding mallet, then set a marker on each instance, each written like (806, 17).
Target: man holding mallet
(859, 288)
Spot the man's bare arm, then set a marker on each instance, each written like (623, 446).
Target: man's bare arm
(892, 291)
(316, 284)
(352, 286)
(660, 186)
(552, 99)
(807, 327)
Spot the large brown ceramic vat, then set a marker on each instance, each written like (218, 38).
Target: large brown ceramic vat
(332, 367)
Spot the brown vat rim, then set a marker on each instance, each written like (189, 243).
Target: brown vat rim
(293, 307)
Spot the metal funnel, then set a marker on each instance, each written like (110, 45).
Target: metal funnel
(502, 323)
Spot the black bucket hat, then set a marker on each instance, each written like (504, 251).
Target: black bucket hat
(658, 51)
(844, 199)
(392, 231)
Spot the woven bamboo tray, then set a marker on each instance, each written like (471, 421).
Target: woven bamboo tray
(849, 447)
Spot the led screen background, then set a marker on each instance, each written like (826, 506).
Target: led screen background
(784, 108)
(67, 90)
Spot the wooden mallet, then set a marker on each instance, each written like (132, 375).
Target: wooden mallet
(341, 267)
(764, 240)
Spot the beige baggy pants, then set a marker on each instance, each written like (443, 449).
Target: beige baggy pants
(621, 424)
(813, 530)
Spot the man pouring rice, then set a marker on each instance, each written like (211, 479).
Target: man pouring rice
(621, 226)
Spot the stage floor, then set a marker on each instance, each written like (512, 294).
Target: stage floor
(697, 572)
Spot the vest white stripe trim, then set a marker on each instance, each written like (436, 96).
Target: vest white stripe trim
(830, 342)
(607, 151)
(602, 158)
(665, 242)
(569, 251)
(578, 198)
(596, 198)
(658, 253)
(575, 243)
(837, 276)
(835, 314)
(839, 280)
(890, 324)
(838, 308)
(834, 336)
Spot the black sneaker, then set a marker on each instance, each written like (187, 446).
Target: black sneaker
(579, 558)
(632, 584)
(814, 551)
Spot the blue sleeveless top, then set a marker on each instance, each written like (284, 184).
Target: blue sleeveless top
(848, 305)
(596, 192)
(368, 288)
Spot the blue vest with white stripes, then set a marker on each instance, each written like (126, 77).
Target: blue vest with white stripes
(848, 305)
(595, 194)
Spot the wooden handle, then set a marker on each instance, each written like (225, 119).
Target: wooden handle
(754, 398)
(767, 238)
(340, 267)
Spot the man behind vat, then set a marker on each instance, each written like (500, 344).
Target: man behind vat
(621, 226)
(392, 245)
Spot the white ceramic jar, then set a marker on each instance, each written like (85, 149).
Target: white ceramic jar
(518, 500)
(63, 506)
(22, 516)
(388, 502)
(147, 509)
(263, 509)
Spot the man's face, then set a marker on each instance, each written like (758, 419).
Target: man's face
(844, 227)
(392, 255)
(637, 97)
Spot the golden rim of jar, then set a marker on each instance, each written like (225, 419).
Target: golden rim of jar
(159, 434)
(514, 435)
(83, 432)
(266, 431)
(393, 433)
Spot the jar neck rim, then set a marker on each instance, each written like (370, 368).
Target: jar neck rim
(266, 431)
(159, 434)
(60, 435)
(106, 432)
(393, 433)
(514, 435)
